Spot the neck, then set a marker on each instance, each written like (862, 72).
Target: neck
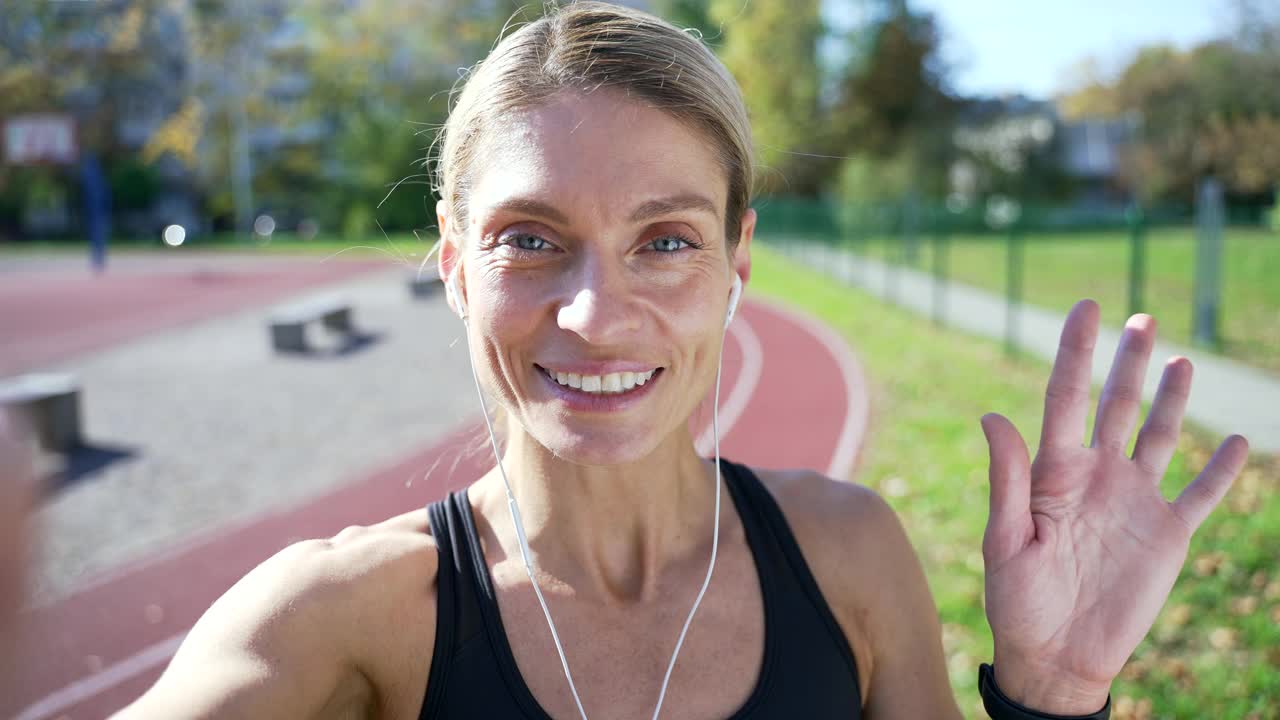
(611, 531)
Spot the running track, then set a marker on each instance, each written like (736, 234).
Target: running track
(53, 315)
(95, 651)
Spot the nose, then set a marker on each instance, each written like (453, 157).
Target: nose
(599, 308)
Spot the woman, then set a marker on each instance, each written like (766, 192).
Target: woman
(595, 177)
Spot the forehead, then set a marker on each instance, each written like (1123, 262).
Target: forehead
(597, 154)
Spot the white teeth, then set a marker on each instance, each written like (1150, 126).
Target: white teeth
(611, 383)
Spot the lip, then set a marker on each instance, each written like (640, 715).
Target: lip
(601, 403)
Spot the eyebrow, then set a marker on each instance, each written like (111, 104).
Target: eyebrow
(675, 203)
(647, 210)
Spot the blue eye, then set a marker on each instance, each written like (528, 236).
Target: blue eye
(523, 242)
(669, 244)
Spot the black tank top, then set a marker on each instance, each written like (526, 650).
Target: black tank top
(808, 671)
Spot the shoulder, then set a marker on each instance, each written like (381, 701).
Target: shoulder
(842, 527)
(378, 583)
(349, 574)
(808, 496)
(868, 573)
(857, 551)
(312, 629)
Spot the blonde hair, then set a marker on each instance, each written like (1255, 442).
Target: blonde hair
(583, 46)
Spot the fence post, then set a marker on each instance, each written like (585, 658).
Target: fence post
(1013, 287)
(1137, 257)
(892, 253)
(910, 230)
(1208, 278)
(855, 241)
(940, 273)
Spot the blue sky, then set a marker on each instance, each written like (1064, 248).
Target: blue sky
(1030, 46)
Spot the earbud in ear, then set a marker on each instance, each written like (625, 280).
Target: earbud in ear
(459, 304)
(734, 295)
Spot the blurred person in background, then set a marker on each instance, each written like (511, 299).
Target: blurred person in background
(596, 179)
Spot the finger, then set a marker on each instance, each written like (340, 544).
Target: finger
(1010, 477)
(1066, 400)
(1159, 435)
(1121, 398)
(1204, 493)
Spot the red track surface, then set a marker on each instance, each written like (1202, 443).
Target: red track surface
(802, 405)
(48, 317)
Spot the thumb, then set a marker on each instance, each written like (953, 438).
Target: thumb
(1010, 502)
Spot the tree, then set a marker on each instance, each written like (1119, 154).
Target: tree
(772, 51)
(380, 79)
(892, 106)
(1210, 110)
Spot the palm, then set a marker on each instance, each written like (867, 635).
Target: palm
(1081, 548)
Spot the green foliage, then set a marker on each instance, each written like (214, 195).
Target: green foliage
(380, 77)
(358, 222)
(689, 14)
(133, 184)
(1213, 109)
(894, 86)
(772, 49)
(890, 110)
(865, 178)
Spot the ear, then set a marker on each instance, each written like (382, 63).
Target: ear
(742, 254)
(449, 258)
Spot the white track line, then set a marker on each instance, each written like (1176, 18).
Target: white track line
(85, 688)
(743, 387)
(858, 404)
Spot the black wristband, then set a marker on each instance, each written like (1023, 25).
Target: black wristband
(1000, 707)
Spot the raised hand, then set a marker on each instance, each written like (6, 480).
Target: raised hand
(1081, 549)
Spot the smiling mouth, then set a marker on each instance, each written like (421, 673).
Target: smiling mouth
(610, 384)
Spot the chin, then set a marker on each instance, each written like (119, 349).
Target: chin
(598, 447)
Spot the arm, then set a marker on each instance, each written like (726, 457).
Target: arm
(291, 639)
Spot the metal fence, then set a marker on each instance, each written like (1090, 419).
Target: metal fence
(1165, 260)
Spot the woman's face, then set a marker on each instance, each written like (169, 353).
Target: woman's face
(595, 245)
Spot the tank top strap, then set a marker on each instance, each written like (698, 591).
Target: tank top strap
(446, 529)
(766, 518)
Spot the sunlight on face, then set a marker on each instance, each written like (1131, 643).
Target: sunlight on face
(596, 234)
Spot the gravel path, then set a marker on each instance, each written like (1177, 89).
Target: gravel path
(209, 425)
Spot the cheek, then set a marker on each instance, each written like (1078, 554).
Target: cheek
(690, 300)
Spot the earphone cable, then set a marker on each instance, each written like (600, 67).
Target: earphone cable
(528, 562)
(524, 543)
(715, 538)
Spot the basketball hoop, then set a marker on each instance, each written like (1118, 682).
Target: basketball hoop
(40, 139)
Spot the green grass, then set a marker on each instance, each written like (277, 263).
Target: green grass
(1214, 651)
(1062, 268)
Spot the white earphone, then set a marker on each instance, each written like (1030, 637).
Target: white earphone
(460, 306)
